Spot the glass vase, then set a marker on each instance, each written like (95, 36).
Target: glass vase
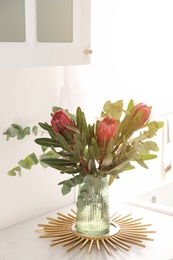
(93, 218)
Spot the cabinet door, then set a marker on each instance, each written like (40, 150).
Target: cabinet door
(35, 33)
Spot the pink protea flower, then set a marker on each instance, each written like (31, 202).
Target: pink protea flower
(146, 111)
(59, 121)
(106, 129)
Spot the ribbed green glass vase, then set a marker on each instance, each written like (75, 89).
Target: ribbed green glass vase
(93, 219)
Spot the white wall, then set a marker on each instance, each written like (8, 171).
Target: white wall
(132, 53)
(27, 97)
(132, 58)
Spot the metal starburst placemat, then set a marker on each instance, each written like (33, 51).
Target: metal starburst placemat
(125, 232)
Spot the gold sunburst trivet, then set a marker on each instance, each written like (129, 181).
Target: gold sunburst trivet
(124, 232)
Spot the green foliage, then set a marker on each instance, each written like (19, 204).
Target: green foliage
(113, 109)
(29, 161)
(76, 150)
(16, 130)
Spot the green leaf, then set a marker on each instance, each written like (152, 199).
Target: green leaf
(89, 179)
(27, 130)
(77, 137)
(55, 109)
(63, 143)
(111, 145)
(145, 157)
(79, 119)
(78, 150)
(111, 179)
(49, 129)
(114, 109)
(14, 171)
(29, 161)
(107, 160)
(68, 136)
(119, 168)
(47, 142)
(85, 187)
(83, 196)
(130, 104)
(95, 148)
(68, 184)
(35, 130)
(91, 166)
(81, 202)
(132, 154)
(81, 123)
(10, 133)
(24, 164)
(91, 152)
(150, 145)
(50, 154)
(65, 189)
(58, 162)
(76, 180)
(45, 126)
(72, 128)
(141, 163)
(19, 131)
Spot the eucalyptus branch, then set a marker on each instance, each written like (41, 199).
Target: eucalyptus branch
(107, 147)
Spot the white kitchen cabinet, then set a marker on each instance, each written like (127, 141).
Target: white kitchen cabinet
(35, 33)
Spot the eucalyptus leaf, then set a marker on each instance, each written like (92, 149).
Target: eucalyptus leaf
(11, 173)
(27, 130)
(19, 131)
(85, 187)
(55, 109)
(24, 164)
(35, 130)
(14, 171)
(114, 109)
(150, 145)
(65, 189)
(29, 161)
(80, 202)
(10, 133)
(89, 179)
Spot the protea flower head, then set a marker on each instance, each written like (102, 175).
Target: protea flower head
(146, 111)
(59, 121)
(106, 129)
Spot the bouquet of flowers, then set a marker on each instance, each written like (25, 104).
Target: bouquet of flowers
(111, 145)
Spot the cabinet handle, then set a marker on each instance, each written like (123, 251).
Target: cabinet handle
(87, 51)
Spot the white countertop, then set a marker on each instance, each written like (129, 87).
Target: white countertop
(21, 242)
